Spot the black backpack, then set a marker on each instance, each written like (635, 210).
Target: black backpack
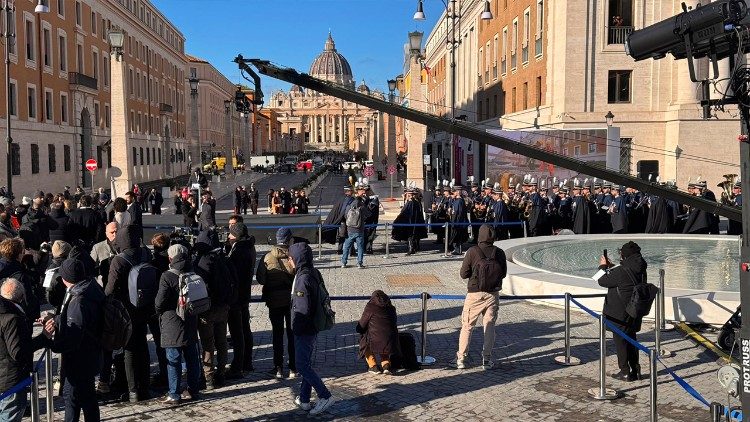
(222, 282)
(143, 282)
(642, 298)
(488, 272)
(117, 326)
(408, 357)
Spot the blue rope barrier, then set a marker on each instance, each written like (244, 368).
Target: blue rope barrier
(680, 381)
(25, 382)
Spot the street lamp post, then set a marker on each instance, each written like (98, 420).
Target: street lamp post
(197, 148)
(228, 143)
(9, 36)
(453, 43)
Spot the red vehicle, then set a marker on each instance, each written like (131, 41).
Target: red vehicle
(305, 165)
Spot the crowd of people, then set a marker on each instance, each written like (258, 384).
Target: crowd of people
(283, 201)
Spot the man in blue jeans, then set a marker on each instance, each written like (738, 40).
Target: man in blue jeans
(304, 305)
(356, 226)
(179, 337)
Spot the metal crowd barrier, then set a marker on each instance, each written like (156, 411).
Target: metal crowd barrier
(33, 381)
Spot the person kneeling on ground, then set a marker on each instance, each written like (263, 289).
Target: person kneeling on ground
(485, 267)
(379, 332)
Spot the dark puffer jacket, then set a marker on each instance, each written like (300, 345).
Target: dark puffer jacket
(16, 351)
(31, 287)
(619, 282)
(174, 331)
(304, 290)
(59, 225)
(484, 248)
(242, 255)
(378, 326)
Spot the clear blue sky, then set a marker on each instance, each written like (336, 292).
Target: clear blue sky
(369, 33)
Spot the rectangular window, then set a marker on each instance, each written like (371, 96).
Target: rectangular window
(618, 86)
(494, 106)
(47, 40)
(99, 161)
(504, 52)
(79, 58)
(513, 100)
(480, 67)
(61, 7)
(66, 157)
(34, 158)
(64, 108)
(592, 148)
(513, 44)
(51, 159)
(95, 64)
(539, 27)
(48, 107)
(105, 70)
(31, 98)
(487, 63)
(525, 95)
(538, 91)
(577, 150)
(135, 156)
(141, 155)
(619, 21)
(93, 23)
(15, 152)
(130, 85)
(494, 58)
(148, 157)
(109, 157)
(526, 30)
(63, 47)
(30, 37)
(626, 154)
(13, 100)
(12, 43)
(97, 122)
(106, 116)
(159, 155)
(79, 14)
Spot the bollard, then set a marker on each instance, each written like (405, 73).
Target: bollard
(717, 412)
(657, 323)
(663, 326)
(34, 397)
(603, 393)
(48, 385)
(525, 233)
(423, 358)
(387, 242)
(566, 359)
(320, 241)
(653, 384)
(447, 234)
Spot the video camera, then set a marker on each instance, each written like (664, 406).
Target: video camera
(182, 236)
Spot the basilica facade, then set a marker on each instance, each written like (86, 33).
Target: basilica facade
(324, 122)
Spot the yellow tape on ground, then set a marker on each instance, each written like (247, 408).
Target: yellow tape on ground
(705, 342)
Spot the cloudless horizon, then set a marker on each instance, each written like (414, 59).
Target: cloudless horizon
(370, 34)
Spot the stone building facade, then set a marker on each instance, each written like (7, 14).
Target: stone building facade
(60, 93)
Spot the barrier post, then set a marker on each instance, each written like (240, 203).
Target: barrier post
(657, 323)
(387, 241)
(717, 412)
(652, 387)
(603, 393)
(566, 359)
(663, 326)
(34, 397)
(48, 386)
(447, 234)
(525, 233)
(423, 358)
(320, 241)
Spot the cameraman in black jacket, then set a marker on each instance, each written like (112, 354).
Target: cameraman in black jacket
(619, 282)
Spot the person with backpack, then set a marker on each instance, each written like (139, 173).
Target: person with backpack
(134, 282)
(310, 303)
(240, 249)
(76, 339)
(276, 275)
(485, 267)
(379, 333)
(217, 271)
(621, 282)
(179, 333)
(356, 214)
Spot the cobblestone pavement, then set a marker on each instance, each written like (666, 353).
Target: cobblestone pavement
(526, 384)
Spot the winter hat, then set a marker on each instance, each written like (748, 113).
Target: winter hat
(72, 271)
(60, 249)
(283, 236)
(5, 201)
(25, 200)
(630, 248)
(238, 230)
(177, 250)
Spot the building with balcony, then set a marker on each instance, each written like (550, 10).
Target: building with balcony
(60, 93)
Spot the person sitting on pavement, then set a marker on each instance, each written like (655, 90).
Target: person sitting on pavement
(619, 282)
(379, 333)
(179, 337)
(485, 279)
(276, 275)
(74, 339)
(305, 290)
(16, 348)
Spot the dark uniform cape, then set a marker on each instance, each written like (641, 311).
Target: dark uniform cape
(459, 229)
(660, 216)
(499, 214)
(538, 224)
(735, 227)
(411, 213)
(373, 215)
(638, 213)
(675, 209)
(331, 226)
(605, 220)
(619, 216)
(565, 212)
(439, 216)
(581, 215)
(701, 222)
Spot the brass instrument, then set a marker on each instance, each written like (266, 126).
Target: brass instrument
(527, 209)
(727, 196)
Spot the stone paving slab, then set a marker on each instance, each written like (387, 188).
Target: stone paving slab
(526, 384)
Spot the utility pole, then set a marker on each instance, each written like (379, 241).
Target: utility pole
(8, 7)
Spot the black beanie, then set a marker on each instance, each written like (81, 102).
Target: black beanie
(72, 271)
(630, 248)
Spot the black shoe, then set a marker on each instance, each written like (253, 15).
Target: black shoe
(635, 375)
(621, 376)
(248, 367)
(369, 252)
(219, 381)
(409, 253)
(159, 380)
(234, 375)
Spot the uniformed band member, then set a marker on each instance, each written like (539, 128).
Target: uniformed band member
(459, 227)
(735, 227)
(412, 218)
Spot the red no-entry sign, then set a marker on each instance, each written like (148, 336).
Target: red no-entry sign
(91, 165)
